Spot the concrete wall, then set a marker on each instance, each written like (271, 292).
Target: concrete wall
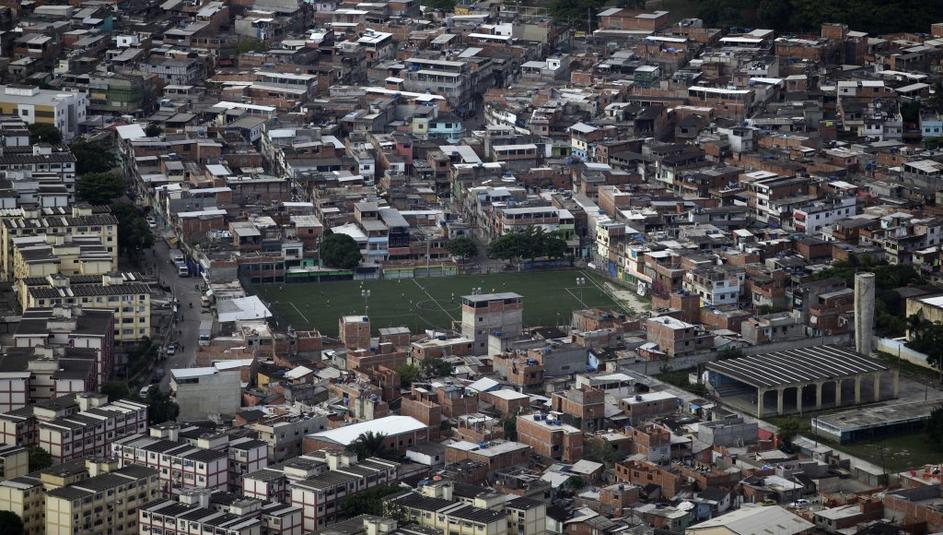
(219, 393)
(690, 361)
(898, 348)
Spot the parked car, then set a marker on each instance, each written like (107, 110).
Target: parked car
(801, 504)
(171, 348)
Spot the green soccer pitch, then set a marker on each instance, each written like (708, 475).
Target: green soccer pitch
(430, 303)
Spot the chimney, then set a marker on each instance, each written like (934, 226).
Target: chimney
(864, 312)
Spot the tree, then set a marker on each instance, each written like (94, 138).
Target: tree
(441, 5)
(134, 234)
(435, 367)
(153, 130)
(788, 429)
(116, 390)
(160, 408)
(369, 444)
(11, 524)
(92, 157)
(100, 188)
(44, 133)
(463, 247)
(600, 451)
(509, 423)
(340, 251)
(510, 247)
(935, 425)
(729, 353)
(251, 45)
(574, 10)
(936, 100)
(408, 374)
(368, 502)
(38, 458)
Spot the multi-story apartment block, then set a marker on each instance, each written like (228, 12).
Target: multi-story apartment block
(819, 215)
(320, 496)
(549, 437)
(123, 294)
(456, 517)
(584, 407)
(206, 390)
(14, 462)
(197, 511)
(174, 70)
(62, 109)
(284, 434)
(483, 314)
(675, 337)
(271, 483)
(76, 221)
(64, 333)
(44, 164)
(89, 432)
(40, 256)
(107, 502)
(180, 465)
(715, 285)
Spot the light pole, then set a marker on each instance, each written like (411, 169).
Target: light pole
(580, 283)
(366, 295)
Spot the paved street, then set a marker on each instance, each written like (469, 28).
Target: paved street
(184, 289)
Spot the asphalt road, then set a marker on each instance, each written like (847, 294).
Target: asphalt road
(184, 289)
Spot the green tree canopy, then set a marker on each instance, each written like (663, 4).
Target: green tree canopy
(408, 374)
(134, 234)
(601, 451)
(153, 130)
(38, 458)
(44, 133)
(11, 524)
(100, 188)
(340, 251)
(462, 247)
(251, 45)
(788, 429)
(92, 157)
(534, 242)
(935, 425)
(369, 444)
(160, 408)
(116, 390)
(435, 367)
(368, 502)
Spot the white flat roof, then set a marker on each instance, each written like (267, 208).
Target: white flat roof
(508, 394)
(389, 425)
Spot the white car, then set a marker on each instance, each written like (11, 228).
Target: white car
(801, 504)
(171, 349)
(151, 222)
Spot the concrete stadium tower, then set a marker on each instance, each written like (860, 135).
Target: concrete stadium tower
(864, 312)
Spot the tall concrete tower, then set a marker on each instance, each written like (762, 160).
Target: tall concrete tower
(864, 312)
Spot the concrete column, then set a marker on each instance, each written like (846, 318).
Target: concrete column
(818, 395)
(857, 390)
(838, 383)
(877, 386)
(779, 401)
(896, 376)
(864, 312)
(799, 399)
(759, 402)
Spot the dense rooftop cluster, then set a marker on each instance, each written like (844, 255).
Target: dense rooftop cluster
(364, 268)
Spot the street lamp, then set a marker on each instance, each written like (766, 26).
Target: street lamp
(580, 283)
(366, 295)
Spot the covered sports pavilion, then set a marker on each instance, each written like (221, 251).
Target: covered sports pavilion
(797, 380)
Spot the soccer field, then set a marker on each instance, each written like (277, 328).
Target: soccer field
(549, 297)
